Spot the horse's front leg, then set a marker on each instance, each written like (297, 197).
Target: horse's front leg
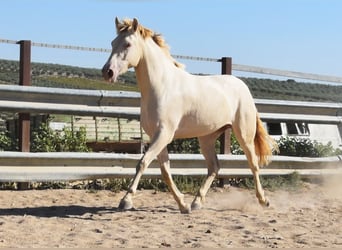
(164, 162)
(126, 202)
(159, 141)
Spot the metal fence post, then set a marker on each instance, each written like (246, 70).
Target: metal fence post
(226, 69)
(24, 118)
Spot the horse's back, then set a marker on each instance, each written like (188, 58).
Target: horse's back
(232, 89)
(210, 103)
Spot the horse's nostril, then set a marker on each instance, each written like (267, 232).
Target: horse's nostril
(110, 73)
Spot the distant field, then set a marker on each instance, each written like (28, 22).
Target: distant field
(63, 76)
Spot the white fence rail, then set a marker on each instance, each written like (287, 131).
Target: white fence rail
(126, 104)
(23, 167)
(287, 73)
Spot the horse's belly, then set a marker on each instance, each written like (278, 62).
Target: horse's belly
(197, 126)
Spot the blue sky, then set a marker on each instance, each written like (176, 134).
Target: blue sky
(298, 35)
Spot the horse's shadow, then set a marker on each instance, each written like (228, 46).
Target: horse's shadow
(72, 211)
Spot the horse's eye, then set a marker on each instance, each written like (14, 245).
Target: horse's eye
(127, 45)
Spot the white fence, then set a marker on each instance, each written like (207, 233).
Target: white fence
(23, 167)
(29, 99)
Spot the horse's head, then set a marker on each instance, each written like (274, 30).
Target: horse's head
(126, 49)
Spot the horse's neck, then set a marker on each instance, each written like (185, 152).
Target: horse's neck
(151, 71)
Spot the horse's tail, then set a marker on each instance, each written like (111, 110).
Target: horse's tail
(264, 143)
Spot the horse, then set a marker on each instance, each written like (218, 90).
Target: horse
(176, 104)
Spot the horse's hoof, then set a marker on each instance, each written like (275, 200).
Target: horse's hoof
(196, 205)
(125, 204)
(185, 210)
(265, 203)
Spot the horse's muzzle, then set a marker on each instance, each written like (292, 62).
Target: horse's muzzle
(107, 73)
(110, 73)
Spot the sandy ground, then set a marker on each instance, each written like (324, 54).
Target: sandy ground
(309, 217)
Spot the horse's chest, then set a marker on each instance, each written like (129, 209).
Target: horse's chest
(149, 119)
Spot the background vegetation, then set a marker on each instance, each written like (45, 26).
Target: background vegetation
(45, 139)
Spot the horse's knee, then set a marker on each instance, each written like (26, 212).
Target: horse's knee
(255, 169)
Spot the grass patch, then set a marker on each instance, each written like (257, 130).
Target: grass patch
(83, 83)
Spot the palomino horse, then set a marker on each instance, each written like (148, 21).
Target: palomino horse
(176, 104)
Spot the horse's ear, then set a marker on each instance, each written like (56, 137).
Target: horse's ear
(117, 24)
(135, 24)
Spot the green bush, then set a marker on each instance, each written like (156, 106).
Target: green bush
(292, 146)
(184, 146)
(7, 143)
(326, 149)
(188, 146)
(303, 147)
(44, 139)
(235, 146)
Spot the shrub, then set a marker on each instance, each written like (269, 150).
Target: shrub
(303, 147)
(183, 146)
(326, 150)
(188, 146)
(7, 143)
(44, 139)
(292, 146)
(235, 146)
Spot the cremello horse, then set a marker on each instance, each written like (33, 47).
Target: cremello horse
(176, 104)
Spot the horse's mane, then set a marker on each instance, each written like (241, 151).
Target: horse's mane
(127, 24)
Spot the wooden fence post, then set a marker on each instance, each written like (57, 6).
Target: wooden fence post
(226, 69)
(24, 118)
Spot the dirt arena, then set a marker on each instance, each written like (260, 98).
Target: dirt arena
(309, 217)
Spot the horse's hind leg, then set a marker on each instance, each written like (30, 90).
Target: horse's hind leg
(207, 144)
(164, 162)
(245, 136)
